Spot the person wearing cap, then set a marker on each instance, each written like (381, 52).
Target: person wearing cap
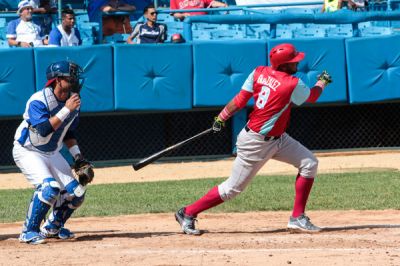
(22, 32)
(193, 4)
(275, 90)
(151, 31)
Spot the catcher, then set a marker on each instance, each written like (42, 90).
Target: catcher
(50, 119)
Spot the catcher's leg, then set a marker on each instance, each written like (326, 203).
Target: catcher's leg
(68, 202)
(43, 198)
(35, 168)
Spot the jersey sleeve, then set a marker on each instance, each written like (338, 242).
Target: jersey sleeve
(300, 93)
(38, 113)
(55, 37)
(12, 29)
(248, 84)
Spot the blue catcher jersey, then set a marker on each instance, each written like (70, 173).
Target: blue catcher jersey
(40, 107)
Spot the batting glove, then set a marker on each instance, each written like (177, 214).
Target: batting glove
(325, 77)
(217, 125)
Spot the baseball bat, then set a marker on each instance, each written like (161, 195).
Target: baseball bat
(148, 160)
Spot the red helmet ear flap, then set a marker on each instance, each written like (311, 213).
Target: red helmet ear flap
(49, 82)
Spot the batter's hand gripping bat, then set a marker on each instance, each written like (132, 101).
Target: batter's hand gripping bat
(148, 160)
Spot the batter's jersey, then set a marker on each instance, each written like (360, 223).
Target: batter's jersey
(273, 92)
(40, 107)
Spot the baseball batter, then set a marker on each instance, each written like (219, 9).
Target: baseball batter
(274, 90)
(49, 120)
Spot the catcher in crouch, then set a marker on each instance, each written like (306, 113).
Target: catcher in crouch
(50, 119)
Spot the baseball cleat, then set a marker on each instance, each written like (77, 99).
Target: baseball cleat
(302, 224)
(65, 234)
(186, 222)
(52, 231)
(32, 238)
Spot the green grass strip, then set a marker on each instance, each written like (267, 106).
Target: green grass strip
(360, 191)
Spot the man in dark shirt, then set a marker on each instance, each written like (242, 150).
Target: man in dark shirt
(151, 31)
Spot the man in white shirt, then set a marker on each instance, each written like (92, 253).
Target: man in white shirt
(22, 32)
(65, 34)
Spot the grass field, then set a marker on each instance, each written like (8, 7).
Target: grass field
(345, 191)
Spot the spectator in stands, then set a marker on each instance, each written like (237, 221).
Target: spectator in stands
(116, 24)
(22, 32)
(45, 8)
(193, 4)
(357, 5)
(65, 34)
(331, 5)
(151, 31)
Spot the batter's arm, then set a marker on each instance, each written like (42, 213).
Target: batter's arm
(237, 103)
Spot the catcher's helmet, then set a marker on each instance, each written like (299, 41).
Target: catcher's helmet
(284, 53)
(66, 69)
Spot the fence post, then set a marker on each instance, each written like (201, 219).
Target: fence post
(238, 122)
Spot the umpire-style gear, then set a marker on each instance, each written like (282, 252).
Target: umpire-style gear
(66, 69)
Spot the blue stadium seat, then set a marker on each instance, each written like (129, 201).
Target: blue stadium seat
(4, 44)
(309, 33)
(298, 10)
(89, 32)
(82, 18)
(116, 38)
(3, 22)
(165, 17)
(227, 34)
(201, 35)
(3, 33)
(376, 31)
(204, 26)
(340, 31)
(284, 33)
(258, 31)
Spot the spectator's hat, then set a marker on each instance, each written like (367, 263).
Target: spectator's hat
(24, 4)
(177, 38)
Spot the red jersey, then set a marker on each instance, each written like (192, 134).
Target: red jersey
(190, 4)
(274, 92)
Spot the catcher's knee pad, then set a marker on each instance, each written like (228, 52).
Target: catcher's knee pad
(309, 167)
(49, 191)
(227, 191)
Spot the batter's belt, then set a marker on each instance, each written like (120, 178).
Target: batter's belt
(266, 138)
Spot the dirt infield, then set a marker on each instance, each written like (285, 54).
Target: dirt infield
(349, 237)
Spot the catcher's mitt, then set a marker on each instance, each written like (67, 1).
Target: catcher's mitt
(84, 171)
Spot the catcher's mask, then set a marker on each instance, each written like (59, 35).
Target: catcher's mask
(66, 69)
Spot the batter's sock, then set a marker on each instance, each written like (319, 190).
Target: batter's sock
(303, 187)
(209, 200)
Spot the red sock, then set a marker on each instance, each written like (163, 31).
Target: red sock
(303, 187)
(209, 200)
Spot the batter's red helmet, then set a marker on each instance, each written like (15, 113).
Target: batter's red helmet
(284, 53)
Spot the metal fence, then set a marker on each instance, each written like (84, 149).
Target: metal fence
(106, 137)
